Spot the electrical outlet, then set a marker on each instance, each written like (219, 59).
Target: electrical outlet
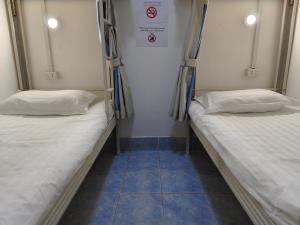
(52, 76)
(252, 72)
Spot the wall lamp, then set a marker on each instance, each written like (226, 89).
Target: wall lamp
(251, 20)
(53, 23)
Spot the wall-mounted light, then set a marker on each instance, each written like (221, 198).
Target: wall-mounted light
(52, 23)
(251, 20)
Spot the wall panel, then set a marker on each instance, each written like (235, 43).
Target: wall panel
(228, 43)
(8, 76)
(293, 87)
(75, 46)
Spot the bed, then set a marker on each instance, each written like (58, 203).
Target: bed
(44, 159)
(258, 155)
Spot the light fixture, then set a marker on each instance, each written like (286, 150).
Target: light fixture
(52, 23)
(251, 20)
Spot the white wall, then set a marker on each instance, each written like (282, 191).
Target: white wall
(8, 77)
(227, 45)
(152, 72)
(293, 87)
(74, 45)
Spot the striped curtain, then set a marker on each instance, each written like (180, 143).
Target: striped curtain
(122, 94)
(185, 85)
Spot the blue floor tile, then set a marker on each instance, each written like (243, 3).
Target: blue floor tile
(126, 189)
(171, 143)
(170, 160)
(143, 160)
(139, 209)
(139, 143)
(110, 182)
(187, 209)
(91, 210)
(142, 181)
(180, 181)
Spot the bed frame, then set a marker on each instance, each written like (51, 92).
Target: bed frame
(252, 207)
(56, 212)
(53, 216)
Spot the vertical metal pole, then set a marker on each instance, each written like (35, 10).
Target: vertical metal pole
(15, 18)
(47, 39)
(256, 36)
(280, 43)
(118, 144)
(100, 18)
(13, 7)
(187, 140)
(294, 6)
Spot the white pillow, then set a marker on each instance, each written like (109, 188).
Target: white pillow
(34, 102)
(242, 101)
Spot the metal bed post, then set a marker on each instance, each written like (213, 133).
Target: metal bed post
(18, 42)
(290, 10)
(283, 19)
(107, 62)
(294, 4)
(99, 5)
(118, 144)
(256, 36)
(188, 139)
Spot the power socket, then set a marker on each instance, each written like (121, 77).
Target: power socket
(52, 76)
(252, 72)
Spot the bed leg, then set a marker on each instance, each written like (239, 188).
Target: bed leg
(187, 141)
(118, 145)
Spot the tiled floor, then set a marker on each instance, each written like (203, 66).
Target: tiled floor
(154, 182)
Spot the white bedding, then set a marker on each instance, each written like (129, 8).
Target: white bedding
(38, 156)
(263, 151)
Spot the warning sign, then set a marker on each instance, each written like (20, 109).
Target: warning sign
(151, 12)
(152, 23)
(152, 38)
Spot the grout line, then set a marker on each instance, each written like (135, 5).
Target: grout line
(169, 193)
(160, 174)
(140, 193)
(163, 209)
(183, 193)
(161, 182)
(125, 173)
(116, 209)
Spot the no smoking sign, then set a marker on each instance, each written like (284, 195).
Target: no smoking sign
(151, 12)
(152, 23)
(151, 37)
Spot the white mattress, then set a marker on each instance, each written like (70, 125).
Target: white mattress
(38, 156)
(263, 152)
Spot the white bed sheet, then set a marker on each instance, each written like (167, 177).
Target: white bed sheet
(263, 151)
(38, 157)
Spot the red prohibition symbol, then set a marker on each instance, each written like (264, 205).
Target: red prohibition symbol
(151, 37)
(151, 12)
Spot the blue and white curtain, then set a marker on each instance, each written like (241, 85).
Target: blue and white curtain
(187, 74)
(122, 95)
